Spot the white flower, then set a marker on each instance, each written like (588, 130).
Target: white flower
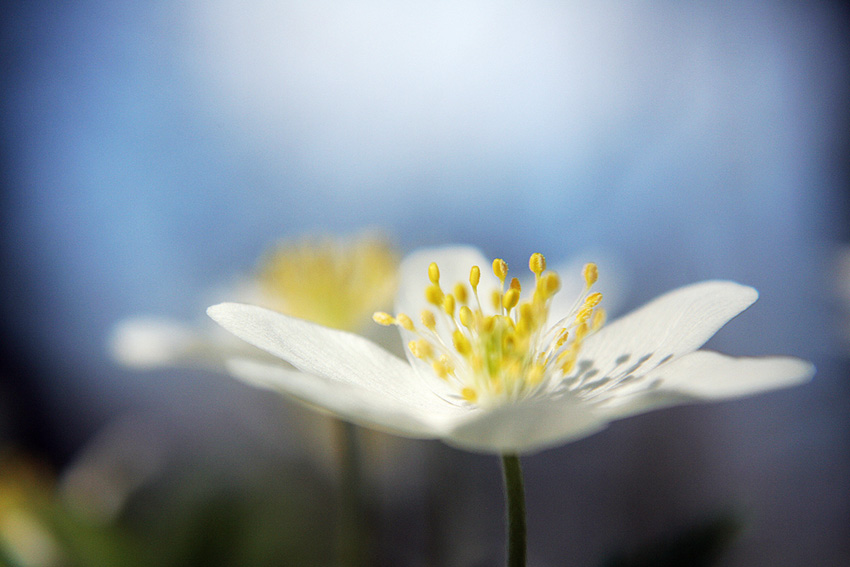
(519, 375)
(336, 282)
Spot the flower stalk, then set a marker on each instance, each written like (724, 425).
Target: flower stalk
(515, 511)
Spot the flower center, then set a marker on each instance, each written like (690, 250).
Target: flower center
(508, 353)
(332, 282)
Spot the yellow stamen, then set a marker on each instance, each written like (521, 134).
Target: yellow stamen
(583, 315)
(440, 369)
(461, 343)
(384, 319)
(598, 319)
(591, 274)
(510, 299)
(550, 284)
(593, 299)
(562, 338)
(460, 293)
(537, 263)
(449, 304)
(507, 353)
(434, 294)
(500, 268)
(434, 273)
(581, 332)
(428, 319)
(466, 317)
(421, 349)
(474, 277)
(469, 394)
(405, 322)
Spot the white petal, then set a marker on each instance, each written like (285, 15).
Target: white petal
(673, 324)
(713, 376)
(347, 401)
(337, 355)
(526, 427)
(709, 376)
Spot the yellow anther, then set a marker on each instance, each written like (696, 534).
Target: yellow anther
(488, 325)
(469, 394)
(447, 362)
(382, 318)
(599, 317)
(428, 319)
(583, 314)
(461, 343)
(405, 322)
(562, 338)
(526, 322)
(466, 317)
(440, 369)
(593, 299)
(568, 365)
(474, 276)
(591, 273)
(510, 299)
(500, 268)
(434, 295)
(581, 332)
(460, 293)
(537, 263)
(515, 284)
(434, 273)
(549, 285)
(421, 349)
(449, 305)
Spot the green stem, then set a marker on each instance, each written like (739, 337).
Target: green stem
(515, 509)
(352, 546)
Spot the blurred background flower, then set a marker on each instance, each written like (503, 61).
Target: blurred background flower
(150, 151)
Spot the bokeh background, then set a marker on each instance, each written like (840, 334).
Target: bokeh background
(151, 151)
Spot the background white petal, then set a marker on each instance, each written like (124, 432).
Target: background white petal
(151, 342)
(148, 343)
(675, 323)
(454, 262)
(347, 401)
(343, 357)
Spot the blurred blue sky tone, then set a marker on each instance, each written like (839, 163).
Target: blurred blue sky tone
(155, 150)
